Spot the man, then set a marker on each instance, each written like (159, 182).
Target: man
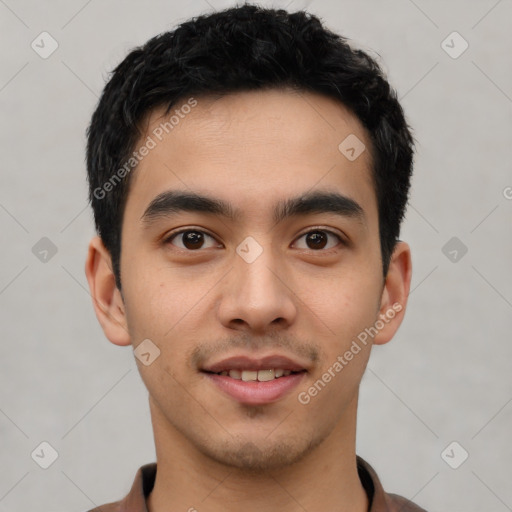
(248, 173)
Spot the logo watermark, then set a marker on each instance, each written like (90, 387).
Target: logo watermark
(150, 143)
(304, 397)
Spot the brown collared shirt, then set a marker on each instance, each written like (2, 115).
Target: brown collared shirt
(380, 501)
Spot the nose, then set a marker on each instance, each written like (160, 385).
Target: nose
(258, 296)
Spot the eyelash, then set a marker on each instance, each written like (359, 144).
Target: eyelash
(174, 234)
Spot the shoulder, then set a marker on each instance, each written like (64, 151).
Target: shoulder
(400, 504)
(135, 500)
(380, 500)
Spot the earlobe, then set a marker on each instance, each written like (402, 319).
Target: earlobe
(395, 293)
(107, 300)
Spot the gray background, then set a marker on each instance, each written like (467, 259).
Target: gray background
(446, 375)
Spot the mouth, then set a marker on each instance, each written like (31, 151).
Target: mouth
(256, 375)
(255, 381)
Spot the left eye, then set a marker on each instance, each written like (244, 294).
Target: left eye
(318, 239)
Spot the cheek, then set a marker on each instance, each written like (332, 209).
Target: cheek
(349, 305)
(160, 311)
(154, 308)
(347, 311)
(166, 305)
(344, 305)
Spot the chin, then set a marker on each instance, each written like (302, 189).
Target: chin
(262, 456)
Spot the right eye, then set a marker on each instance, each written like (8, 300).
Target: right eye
(191, 239)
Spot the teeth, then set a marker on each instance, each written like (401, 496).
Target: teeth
(257, 375)
(249, 375)
(265, 375)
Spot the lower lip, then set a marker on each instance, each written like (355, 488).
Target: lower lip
(255, 392)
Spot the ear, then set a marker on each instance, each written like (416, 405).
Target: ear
(107, 300)
(394, 294)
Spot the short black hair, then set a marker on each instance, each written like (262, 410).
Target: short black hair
(242, 49)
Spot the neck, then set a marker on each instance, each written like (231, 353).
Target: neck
(187, 480)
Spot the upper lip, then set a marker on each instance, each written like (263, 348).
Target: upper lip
(255, 363)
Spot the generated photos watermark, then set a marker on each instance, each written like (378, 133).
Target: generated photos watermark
(157, 135)
(304, 397)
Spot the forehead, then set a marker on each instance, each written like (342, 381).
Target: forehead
(251, 146)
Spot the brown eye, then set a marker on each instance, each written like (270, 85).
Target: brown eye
(319, 238)
(191, 239)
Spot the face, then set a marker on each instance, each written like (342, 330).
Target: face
(244, 281)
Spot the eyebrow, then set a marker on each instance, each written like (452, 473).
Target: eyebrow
(173, 202)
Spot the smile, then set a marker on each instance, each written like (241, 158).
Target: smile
(256, 375)
(255, 387)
